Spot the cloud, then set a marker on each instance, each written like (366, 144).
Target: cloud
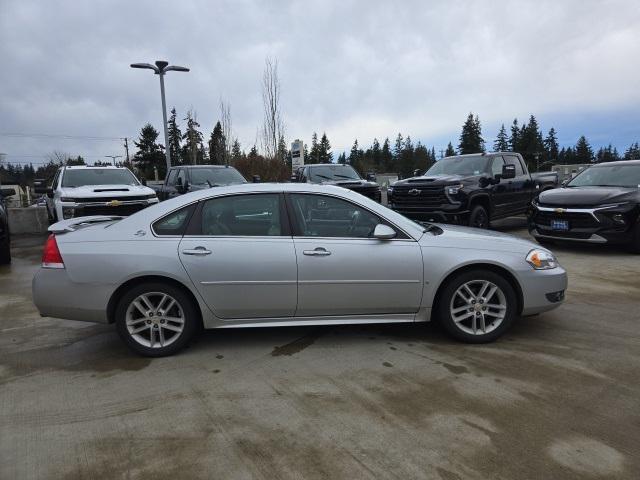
(353, 69)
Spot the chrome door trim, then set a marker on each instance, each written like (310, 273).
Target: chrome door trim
(250, 282)
(361, 282)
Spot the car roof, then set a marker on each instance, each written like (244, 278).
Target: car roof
(203, 166)
(620, 162)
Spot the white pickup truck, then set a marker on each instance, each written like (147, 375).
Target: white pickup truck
(78, 191)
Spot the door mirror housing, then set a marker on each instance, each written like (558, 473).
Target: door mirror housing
(383, 232)
(508, 171)
(564, 182)
(417, 172)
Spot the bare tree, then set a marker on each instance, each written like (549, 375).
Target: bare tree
(273, 127)
(225, 121)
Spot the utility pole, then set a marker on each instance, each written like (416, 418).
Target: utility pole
(126, 147)
(160, 68)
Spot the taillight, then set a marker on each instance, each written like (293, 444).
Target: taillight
(51, 257)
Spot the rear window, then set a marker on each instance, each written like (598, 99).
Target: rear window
(175, 223)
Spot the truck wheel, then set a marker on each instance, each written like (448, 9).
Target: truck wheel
(634, 246)
(479, 217)
(476, 306)
(5, 252)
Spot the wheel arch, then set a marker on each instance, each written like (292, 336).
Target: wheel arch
(482, 199)
(119, 292)
(509, 277)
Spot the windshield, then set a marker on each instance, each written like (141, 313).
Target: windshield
(216, 176)
(98, 176)
(608, 176)
(475, 165)
(332, 173)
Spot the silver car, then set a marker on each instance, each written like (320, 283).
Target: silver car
(260, 255)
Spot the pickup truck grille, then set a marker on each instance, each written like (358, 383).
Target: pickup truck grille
(576, 219)
(109, 199)
(426, 196)
(124, 210)
(372, 192)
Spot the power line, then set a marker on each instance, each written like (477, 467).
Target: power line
(60, 136)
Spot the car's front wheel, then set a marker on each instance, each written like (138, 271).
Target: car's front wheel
(479, 218)
(476, 306)
(5, 251)
(156, 319)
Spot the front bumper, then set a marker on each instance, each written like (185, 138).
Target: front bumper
(55, 295)
(542, 290)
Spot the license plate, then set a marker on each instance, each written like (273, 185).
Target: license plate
(561, 225)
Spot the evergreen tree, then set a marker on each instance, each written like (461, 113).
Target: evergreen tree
(386, 156)
(450, 152)
(607, 154)
(551, 145)
(356, 156)
(175, 138)
(324, 150)
(236, 153)
(471, 136)
(191, 150)
(502, 141)
(531, 144)
(514, 140)
(398, 148)
(342, 158)
(315, 149)
(376, 155)
(633, 152)
(217, 145)
(283, 152)
(150, 153)
(583, 151)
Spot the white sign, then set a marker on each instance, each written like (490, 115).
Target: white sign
(297, 154)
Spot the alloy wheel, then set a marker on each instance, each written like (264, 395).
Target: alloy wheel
(478, 307)
(155, 319)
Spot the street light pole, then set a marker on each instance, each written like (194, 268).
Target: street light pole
(113, 157)
(160, 68)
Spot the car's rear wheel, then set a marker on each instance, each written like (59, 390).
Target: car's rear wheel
(156, 319)
(479, 218)
(477, 306)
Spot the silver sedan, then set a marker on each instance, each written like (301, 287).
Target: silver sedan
(286, 254)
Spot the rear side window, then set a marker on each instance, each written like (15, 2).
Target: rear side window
(174, 223)
(172, 177)
(254, 215)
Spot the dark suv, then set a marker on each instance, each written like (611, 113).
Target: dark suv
(600, 205)
(5, 238)
(340, 175)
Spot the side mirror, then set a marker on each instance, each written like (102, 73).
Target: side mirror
(383, 232)
(564, 182)
(371, 177)
(7, 192)
(293, 179)
(508, 171)
(40, 186)
(256, 179)
(417, 172)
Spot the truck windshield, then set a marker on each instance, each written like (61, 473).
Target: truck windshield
(474, 165)
(98, 176)
(216, 176)
(332, 173)
(608, 176)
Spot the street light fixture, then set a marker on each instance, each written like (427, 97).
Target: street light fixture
(160, 68)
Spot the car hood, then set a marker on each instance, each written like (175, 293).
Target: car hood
(350, 184)
(588, 196)
(434, 180)
(455, 236)
(101, 191)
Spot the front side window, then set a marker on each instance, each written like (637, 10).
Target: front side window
(98, 176)
(325, 216)
(242, 215)
(172, 177)
(174, 223)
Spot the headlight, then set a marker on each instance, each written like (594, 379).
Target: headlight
(541, 260)
(454, 189)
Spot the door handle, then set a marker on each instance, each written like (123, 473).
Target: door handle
(196, 251)
(317, 252)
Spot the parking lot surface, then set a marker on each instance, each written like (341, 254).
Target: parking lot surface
(557, 397)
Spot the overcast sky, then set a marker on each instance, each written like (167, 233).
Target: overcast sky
(353, 69)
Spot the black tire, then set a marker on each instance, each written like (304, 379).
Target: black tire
(5, 251)
(634, 246)
(479, 217)
(446, 295)
(190, 316)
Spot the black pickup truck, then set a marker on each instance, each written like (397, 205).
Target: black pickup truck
(189, 178)
(5, 238)
(344, 176)
(470, 189)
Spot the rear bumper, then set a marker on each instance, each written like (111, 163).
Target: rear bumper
(55, 295)
(542, 290)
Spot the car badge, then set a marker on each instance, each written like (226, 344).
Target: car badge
(114, 203)
(560, 210)
(414, 191)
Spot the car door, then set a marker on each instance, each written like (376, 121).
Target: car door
(520, 188)
(342, 270)
(239, 253)
(500, 194)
